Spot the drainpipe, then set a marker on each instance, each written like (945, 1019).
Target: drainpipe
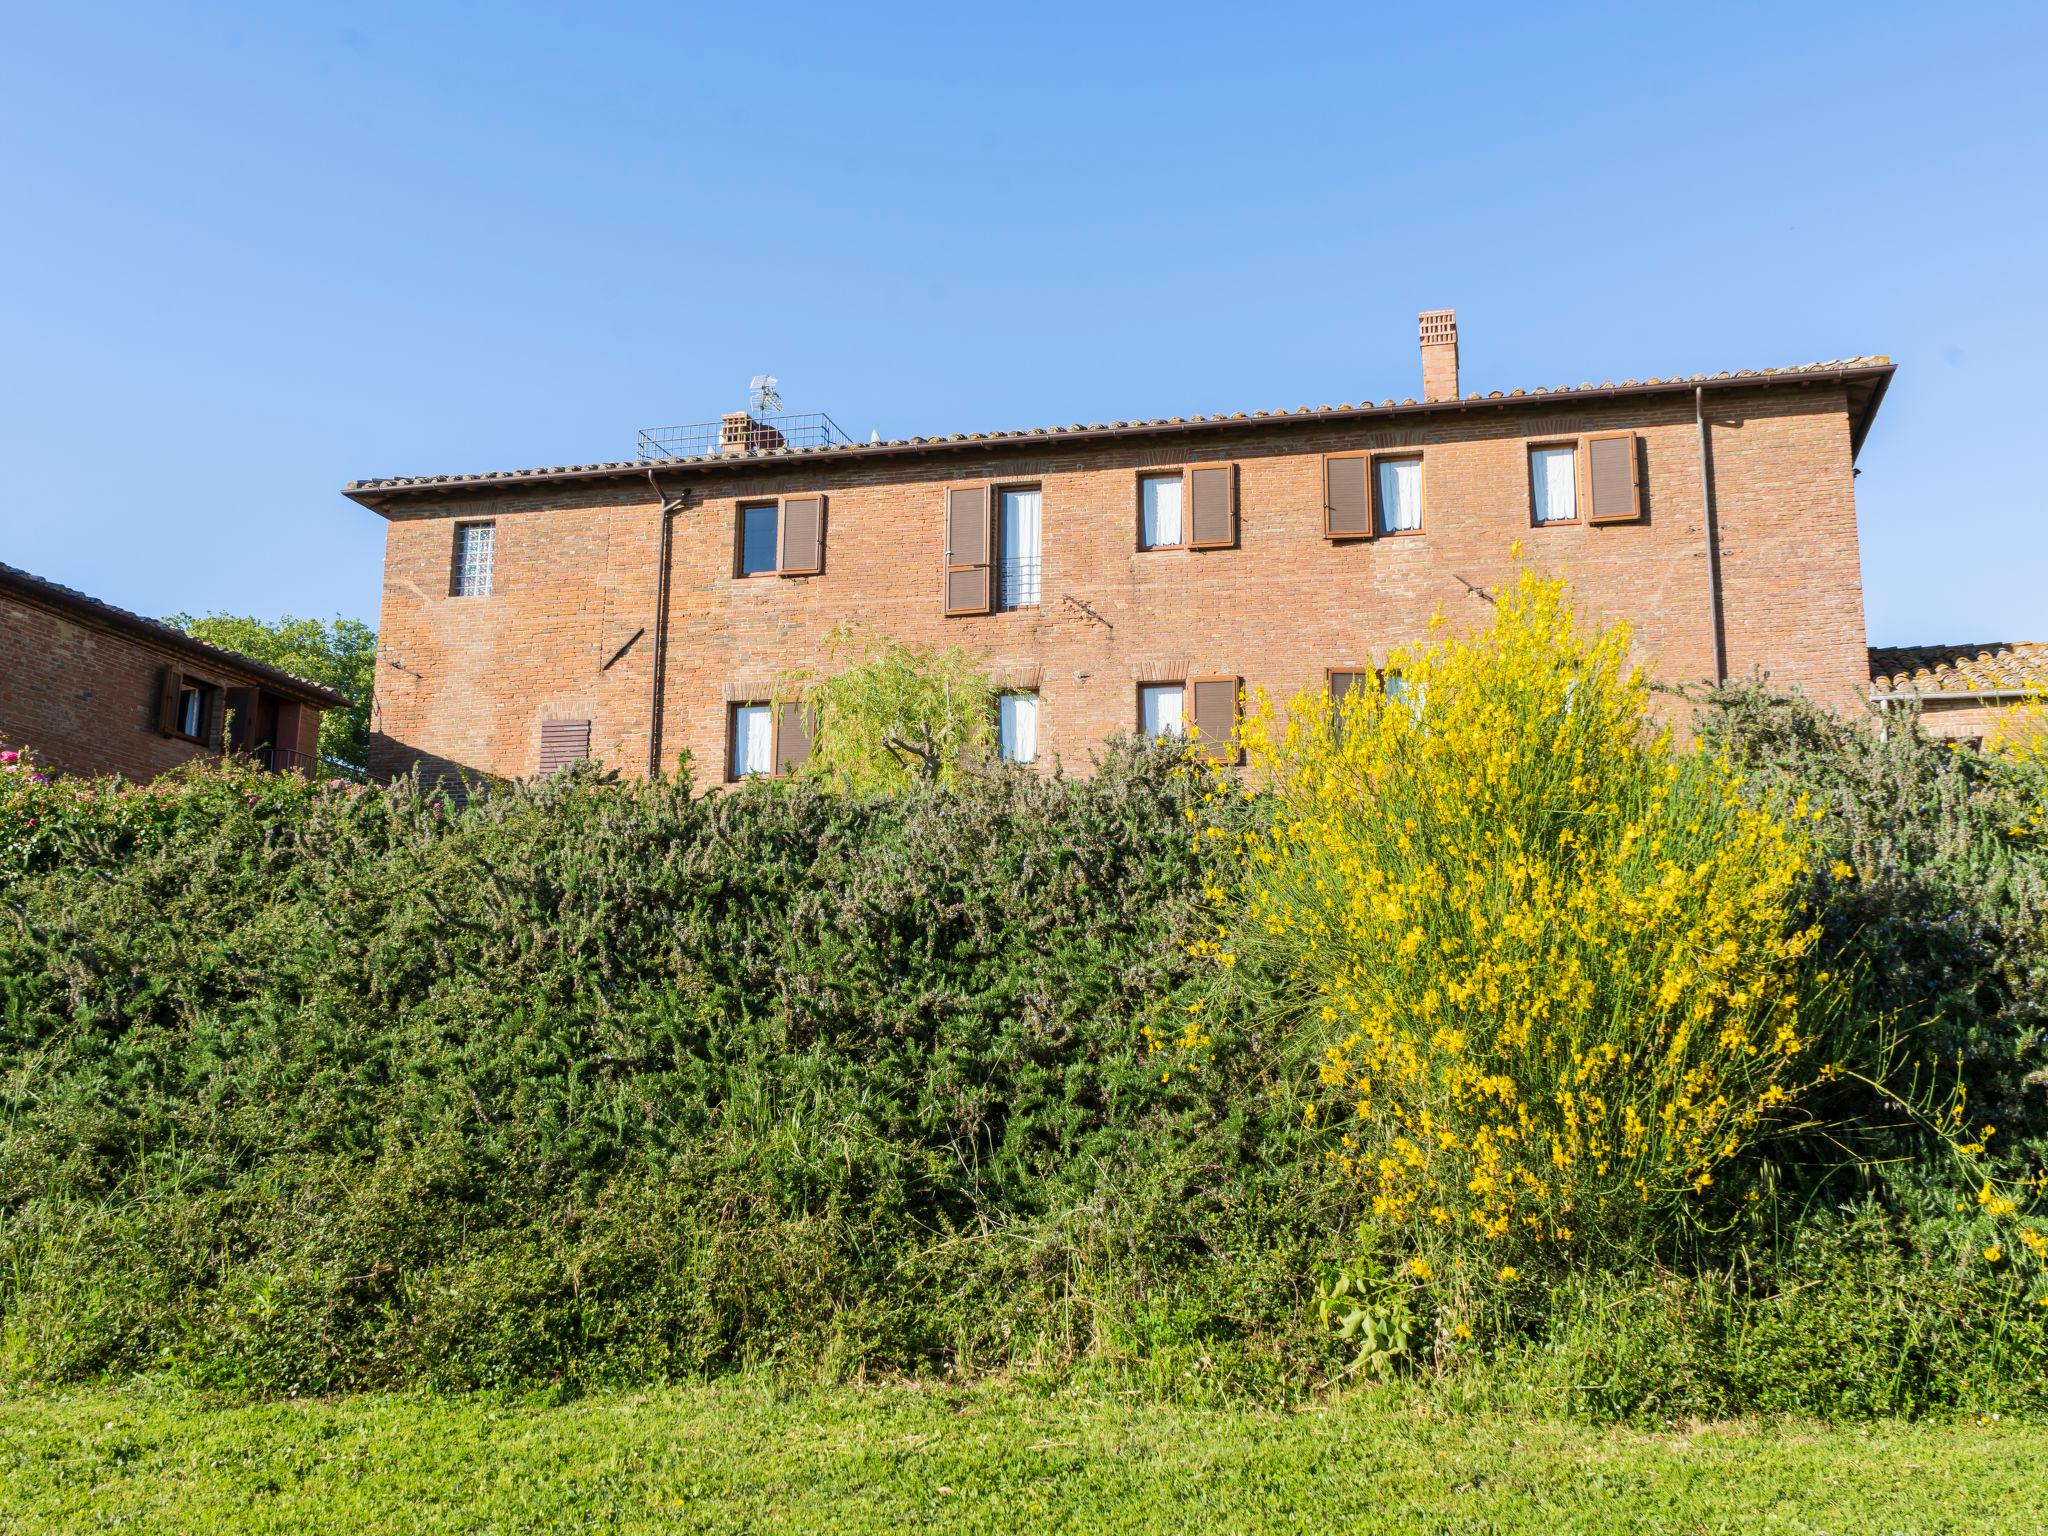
(669, 509)
(1699, 404)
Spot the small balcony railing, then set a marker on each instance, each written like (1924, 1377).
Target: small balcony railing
(1017, 584)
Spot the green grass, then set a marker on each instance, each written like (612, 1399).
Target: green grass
(744, 1458)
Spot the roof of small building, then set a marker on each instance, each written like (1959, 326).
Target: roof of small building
(1871, 373)
(2002, 666)
(92, 610)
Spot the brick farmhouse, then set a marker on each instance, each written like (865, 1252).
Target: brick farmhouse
(1117, 576)
(94, 689)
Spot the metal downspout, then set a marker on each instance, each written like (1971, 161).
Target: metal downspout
(669, 509)
(1699, 404)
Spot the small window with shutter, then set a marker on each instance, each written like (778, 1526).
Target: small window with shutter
(563, 742)
(1162, 710)
(1397, 493)
(767, 738)
(750, 741)
(1160, 523)
(1213, 710)
(1614, 492)
(1553, 484)
(779, 538)
(755, 539)
(1021, 515)
(187, 707)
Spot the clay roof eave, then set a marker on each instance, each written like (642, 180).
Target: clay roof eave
(1867, 379)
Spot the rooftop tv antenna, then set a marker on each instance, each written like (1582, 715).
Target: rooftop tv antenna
(762, 398)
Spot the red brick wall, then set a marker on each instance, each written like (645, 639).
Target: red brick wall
(576, 576)
(83, 699)
(1988, 722)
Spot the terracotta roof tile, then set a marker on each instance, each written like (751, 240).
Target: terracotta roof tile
(2004, 666)
(621, 467)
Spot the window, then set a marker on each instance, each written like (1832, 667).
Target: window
(194, 710)
(1017, 727)
(770, 739)
(757, 539)
(1159, 511)
(753, 741)
(1397, 489)
(1554, 484)
(1162, 709)
(1396, 688)
(474, 548)
(1019, 569)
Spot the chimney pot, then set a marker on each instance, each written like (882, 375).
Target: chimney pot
(1438, 329)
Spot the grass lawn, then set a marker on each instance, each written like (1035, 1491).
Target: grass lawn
(742, 1458)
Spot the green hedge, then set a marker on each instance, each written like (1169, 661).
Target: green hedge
(310, 1090)
(313, 1088)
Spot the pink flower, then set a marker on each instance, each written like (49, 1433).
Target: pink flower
(10, 756)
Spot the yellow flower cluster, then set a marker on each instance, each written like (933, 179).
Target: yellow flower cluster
(1552, 969)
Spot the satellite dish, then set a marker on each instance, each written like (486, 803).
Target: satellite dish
(762, 396)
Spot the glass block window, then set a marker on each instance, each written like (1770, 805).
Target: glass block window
(474, 543)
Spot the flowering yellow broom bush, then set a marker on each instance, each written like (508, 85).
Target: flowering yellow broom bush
(1552, 973)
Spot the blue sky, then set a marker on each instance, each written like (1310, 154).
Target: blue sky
(249, 253)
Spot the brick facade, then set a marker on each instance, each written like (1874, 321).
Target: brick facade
(467, 681)
(82, 687)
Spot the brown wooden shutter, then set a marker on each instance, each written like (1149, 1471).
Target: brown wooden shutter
(1212, 506)
(792, 737)
(241, 709)
(1347, 498)
(1343, 680)
(1213, 713)
(168, 689)
(563, 742)
(803, 536)
(1613, 484)
(969, 563)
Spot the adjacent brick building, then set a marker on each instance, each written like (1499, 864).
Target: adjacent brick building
(1115, 574)
(89, 688)
(1971, 693)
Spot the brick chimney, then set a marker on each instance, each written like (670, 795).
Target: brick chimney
(740, 433)
(1439, 329)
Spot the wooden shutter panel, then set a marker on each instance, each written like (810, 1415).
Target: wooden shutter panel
(168, 689)
(1613, 485)
(969, 587)
(1212, 506)
(792, 737)
(1347, 500)
(1213, 711)
(803, 536)
(1342, 681)
(241, 709)
(562, 742)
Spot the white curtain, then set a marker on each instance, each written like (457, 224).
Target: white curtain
(1017, 727)
(1400, 495)
(1160, 712)
(753, 740)
(1020, 518)
(1160, 507)
(1553, 473)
